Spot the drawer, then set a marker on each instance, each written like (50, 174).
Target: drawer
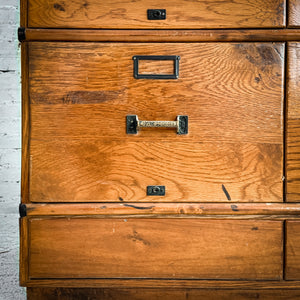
(292, 270)
(134, 14)
(154, 248)
(168, 293)
(294, 13)
(81, 94)
(293, 128)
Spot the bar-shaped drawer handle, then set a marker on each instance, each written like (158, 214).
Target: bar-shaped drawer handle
(133, 124)
(174, 58)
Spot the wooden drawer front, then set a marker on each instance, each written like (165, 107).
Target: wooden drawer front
(293, 124)
(80, 96)
(292, 270)
(155, 248)
(133, 14)
(166, 293)
(294, 13)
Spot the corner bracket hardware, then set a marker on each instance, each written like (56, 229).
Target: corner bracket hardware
(21, 34)
(22, 210)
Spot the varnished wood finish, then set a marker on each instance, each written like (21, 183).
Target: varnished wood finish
(293, 124)
(165, 209)
(232, 93)
(166, 283)
(133, 14)
(110, 170)
(294, 13)
(25, 126)
(23, 13)
(24, 250)
(78, 86)
(219, 35)
(149, 248)
(156, 294)
(292, 269)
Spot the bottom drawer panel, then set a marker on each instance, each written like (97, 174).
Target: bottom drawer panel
(168, 293)
(154, 248)
(292, 269)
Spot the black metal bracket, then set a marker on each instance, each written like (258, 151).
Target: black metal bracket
(183, 125)
(156, 190)
(156, 14)
(131, 124)
(22, 210)
(21, 34)
(137, 58)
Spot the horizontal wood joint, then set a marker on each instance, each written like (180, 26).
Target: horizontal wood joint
(163, 35)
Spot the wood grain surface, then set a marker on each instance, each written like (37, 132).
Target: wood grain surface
(133, 14)
(106, 170)
(81, 93)
(294, 13)
(292, 269)
(149, 248)
(161, 35)
(293, 124)
(158, 293)
(25, 125)
(24, 252)
(277, 285)
(23, 13)
(231, 92)
(163, 210)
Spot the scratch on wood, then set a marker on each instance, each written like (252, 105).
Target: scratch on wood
(226, 193)
(139, 207)
(234, 207)
(136, 237)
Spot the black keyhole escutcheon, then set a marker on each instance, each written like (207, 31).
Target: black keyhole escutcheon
(156, 190)
(156, 14)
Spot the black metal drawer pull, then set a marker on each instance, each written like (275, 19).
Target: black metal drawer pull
(137, 58)
(133, 124)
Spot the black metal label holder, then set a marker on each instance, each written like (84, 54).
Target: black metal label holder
(137, 58)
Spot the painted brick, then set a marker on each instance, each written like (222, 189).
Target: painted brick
(10, 152)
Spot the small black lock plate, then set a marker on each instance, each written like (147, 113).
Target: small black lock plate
(131, 124)
(156, 190)
(156, 14)
(183, 125)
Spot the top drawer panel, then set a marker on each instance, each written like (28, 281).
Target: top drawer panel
(133, 14)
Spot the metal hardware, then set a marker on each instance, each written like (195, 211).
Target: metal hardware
(137, 58)
(156, 190)
(156, 14)
(133, 125)
(21, 34)
(22, 210)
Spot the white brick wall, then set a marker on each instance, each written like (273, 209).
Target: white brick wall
(10, 151)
